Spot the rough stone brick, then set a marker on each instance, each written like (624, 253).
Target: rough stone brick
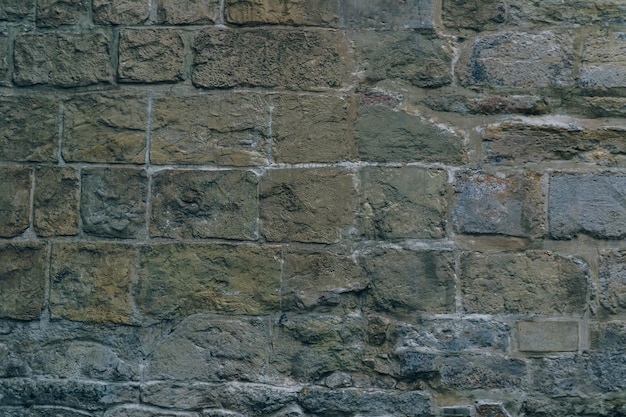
(587, 203)
(120, 12)
(29, 131)
(204, 204)
(533, 282)
(182, 279)
(56, 201)
(499, 204)
(548, 336)
(269, 58)
(403, 203)
(409, 281)
(16, 9)
(151, 55)
(184, 12)
(61, 12)
(608, 337)
(597, 106)
(61, 59)
(225, 129)
(482, 372)
(604, 61)
(23, 268)
(14, 200)
(279, 12)
(386, 135)
(91, 282)
(312, 129)
(423, 61)
(132, 410)
(4, 45)
(488, 104)
(517, 59)
(573, 12)
(306, 205)
(113, 202)
(105, 128)
(474, 15)
(52, 411)
(613, 281)
(386, 14)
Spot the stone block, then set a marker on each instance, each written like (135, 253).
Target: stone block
(188, 12)
(537, 282)
(385, 14)
(590, 204)
(597, 106)
(482, 372)
(517, 60)
(29, 131)
(608, 337)
(223, 129)
(92, 282)
(279, 12)
(4, 53)
(488, 104)
(403, 203)
(151, 55)
(574, 12)
(16, 9)
(113, 202)
(269, 58)
(386, 135)
(204, 204)
(15, 200)
(507, 204)
(61, 59)
(309, 129)
(23, 270)
(421, 60)
(62, 12)
(547, 336)
(473, 15)
(306, 205)
(604, 61)
(183, 279)
(613, 281)
(52, 411)
(56, 201)
(409, 281)
(120, 12)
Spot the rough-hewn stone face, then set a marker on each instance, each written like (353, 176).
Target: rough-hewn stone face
(177, 12)
(61, 12)
(548, 336)
(603, 61)
(4, 52)
(56, 201)
(118, 12)
(384, 14)
(277, 12)
(15, 9)
(15, 200)
(613, 281)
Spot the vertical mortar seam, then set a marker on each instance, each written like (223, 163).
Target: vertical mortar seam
(147, 162)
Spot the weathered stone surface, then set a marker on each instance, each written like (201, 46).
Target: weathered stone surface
(548, 336)
(306, 205)
(488, 104)
(279, 12)
(134, 410)
(474, 15)
(56, 201)
(312, 129)
(587, 203)
(204, 204)
(403, 203)
(533, 282)
(23, 269)
(151, 55)
(45, 411)
(182, 279)
(408, 281)
(482, 372)
(4, 51)
(608, 337)
(385, 135)
(15, 200)
(61, 59)
(223, 129)
(61, 12)
(385, 14)
(91, 282)
(499, 203)
(517, 59)
(575, 12)
(15, 9)
(423, 61)
(608, 405)
(177, 12)
(269, 58)
(29, 130)
(120, 12)
(613, 281)
(603, 62)
(598, 106)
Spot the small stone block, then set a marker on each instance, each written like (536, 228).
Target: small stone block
(548, 336)
(15, 188)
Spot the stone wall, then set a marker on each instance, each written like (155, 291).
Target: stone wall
(312, 208)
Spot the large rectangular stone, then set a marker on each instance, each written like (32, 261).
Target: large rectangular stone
(604, 61)
(613, 281)
(188, 12)
(56, 201)
(62, 12)
(280, 12)
(269, 58)
(387, 14)
(16, 185)
(16, 9)
(120, 12)
(547, 336)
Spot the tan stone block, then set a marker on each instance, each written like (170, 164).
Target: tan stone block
(279, 12)
(56, 201)
(183, 12)
(62, 12)
(15, 189)
(119, 12)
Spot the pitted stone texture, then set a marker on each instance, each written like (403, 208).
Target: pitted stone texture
(533, 282)
(499, 204)
(474, 15)
(56, 201)
(151, 55)
(309, 129)
(387, 14)
(16, 9)
(4, 51)
(134, 410)
(403, 203)
(204, 204)
(113, 202)
(591, 204)
(188, 12)
(517, 59)
(608, 337)
(613, 281)
(223, 129)
(423, 61)
(120, 12)
(47, 411)
(410, 281)
(29, 130)
(183, 279)
(306, 205)
(483, 372)
(92, 282)
(488, 104)
(548, 336)
(604, 61)
(269, 58)
(61, 59)
(62, 12)
(15, 200)
(23, 270)
(280, 12)
(576, 12)
(597, 106)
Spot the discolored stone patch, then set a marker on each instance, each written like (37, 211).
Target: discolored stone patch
(387, 14)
